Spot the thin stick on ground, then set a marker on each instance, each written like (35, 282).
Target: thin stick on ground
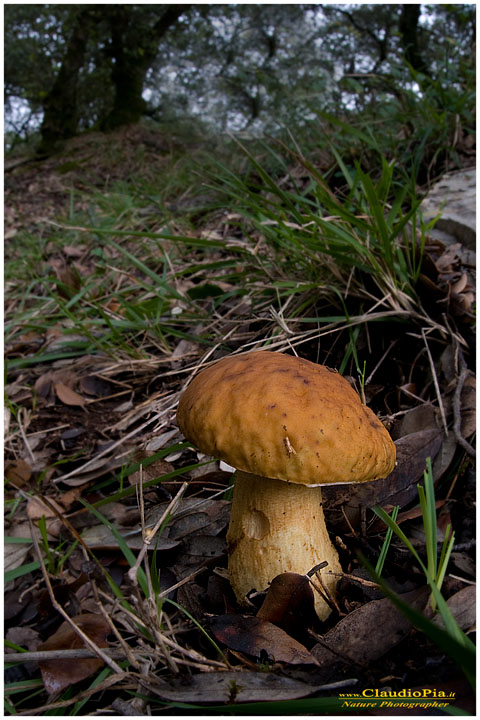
(435, 382)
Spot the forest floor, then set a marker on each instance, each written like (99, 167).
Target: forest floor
(117, 293)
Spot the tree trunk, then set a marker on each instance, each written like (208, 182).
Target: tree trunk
(132, 60)
(408, 28)
(60, 118)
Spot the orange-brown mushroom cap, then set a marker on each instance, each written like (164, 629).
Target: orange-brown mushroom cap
(283, 417)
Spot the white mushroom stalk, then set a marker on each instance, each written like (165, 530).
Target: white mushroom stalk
(278, 527)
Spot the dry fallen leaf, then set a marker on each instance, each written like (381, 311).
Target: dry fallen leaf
(463, 607)
(43, 384)
(36, 508)
(259, 638)
(469, 407)
(233, 687)
(368, 632)
(18, 472)
(58, 674)
(14, 555)
(68, 396)
(289, 603)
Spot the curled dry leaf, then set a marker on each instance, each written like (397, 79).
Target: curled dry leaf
(68, 396)
(289, 603)
(368, 632)
(233, 687)
(259, 638)
(58, 674)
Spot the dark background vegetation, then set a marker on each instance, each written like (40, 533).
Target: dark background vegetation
(255, 68)
(185, 182)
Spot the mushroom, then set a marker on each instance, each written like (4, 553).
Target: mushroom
(288, 426)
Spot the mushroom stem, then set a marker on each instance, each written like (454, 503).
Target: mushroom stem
(277, 527)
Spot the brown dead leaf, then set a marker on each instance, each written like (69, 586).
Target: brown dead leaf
(43, 384)
(469, 407)
(289, 603)
(25, 636)
(446, 261)
(74, 251)
(464, 564)
(96, 386)
(259, 638)
(368, 632)
(68, 396)
(18, 472)
(463, 607)
(418, 419)
(156, 469)
(36, 508)
(14, 555)
(233, 687)
(58, 674)
(67, 499)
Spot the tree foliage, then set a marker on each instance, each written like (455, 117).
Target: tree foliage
(234, 67)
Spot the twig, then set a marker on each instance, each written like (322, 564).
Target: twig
(185, 580)
(127, 650)
(369, 379)
(24, 436)
(75, 654)
(435, 382)
(362, 581)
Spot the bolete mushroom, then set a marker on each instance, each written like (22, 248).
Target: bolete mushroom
(288, 426)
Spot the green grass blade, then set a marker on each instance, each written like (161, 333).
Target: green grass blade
(443, 608)
(10, 575)
(386, 543)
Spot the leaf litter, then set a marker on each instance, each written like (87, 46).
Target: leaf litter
(86, 420)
